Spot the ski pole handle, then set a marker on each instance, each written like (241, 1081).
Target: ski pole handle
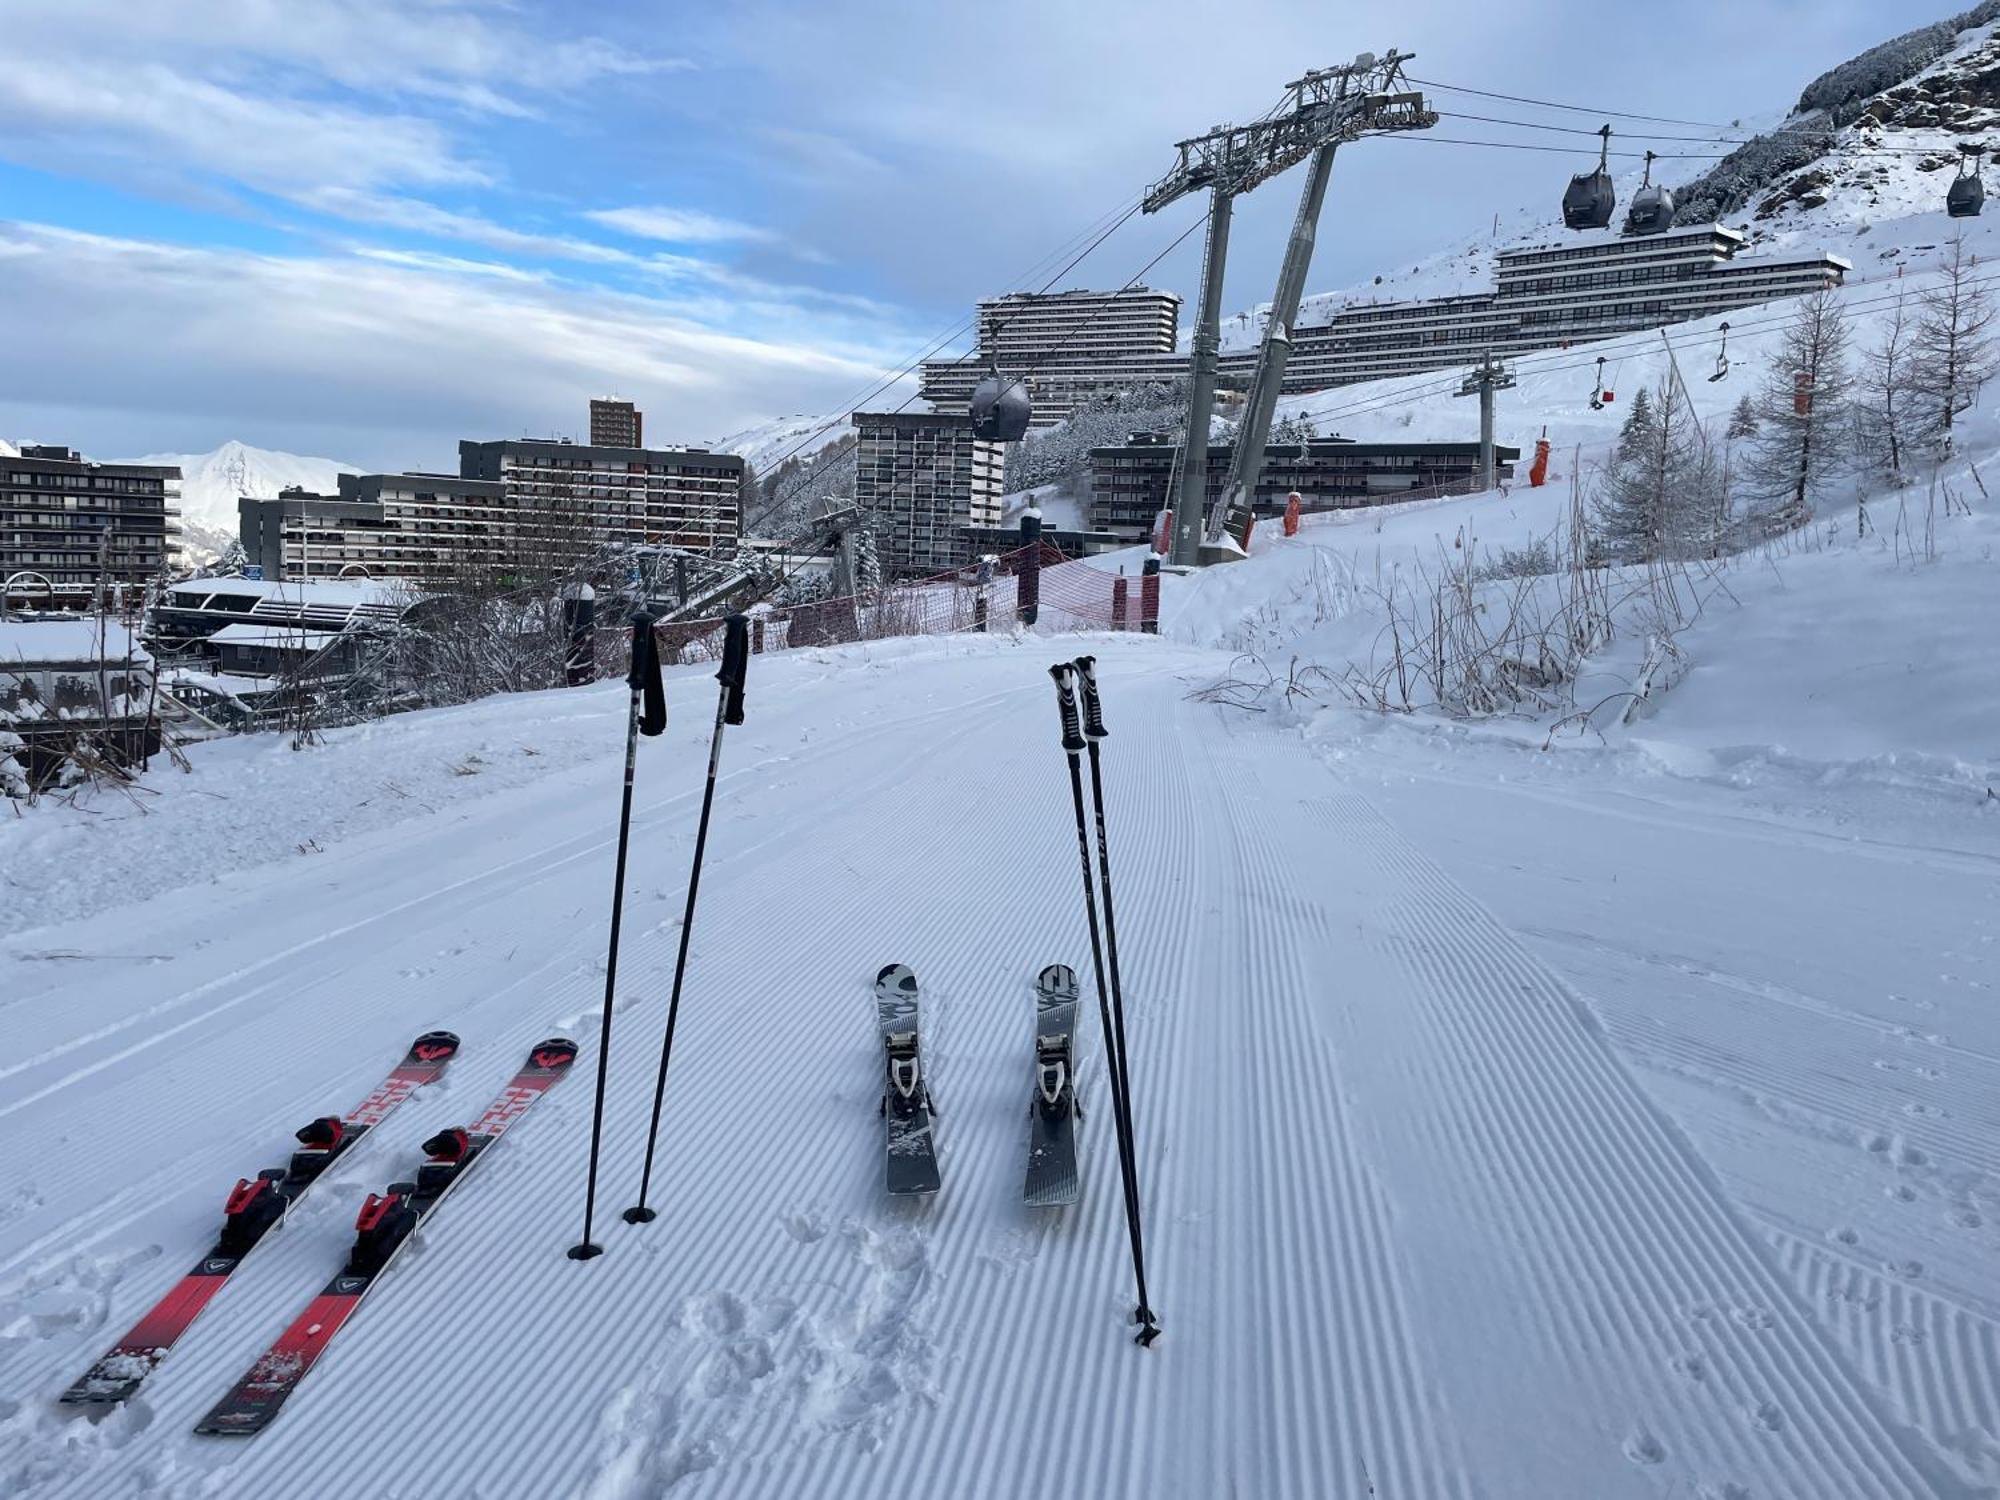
(735, 666)
(1066, 700)
(644, 677)
(1093, 709)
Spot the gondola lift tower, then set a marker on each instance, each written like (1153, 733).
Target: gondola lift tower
(1319, 111)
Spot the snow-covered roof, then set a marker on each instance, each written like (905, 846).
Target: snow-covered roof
(71, 639)
(332, 593)
(272, 635)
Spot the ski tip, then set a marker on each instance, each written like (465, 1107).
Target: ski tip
(1058, 977)
(555, 1053)
(434, 1047)
(897, 976)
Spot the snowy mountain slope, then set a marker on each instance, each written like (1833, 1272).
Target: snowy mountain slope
(8, 450)
(767, 444)
(211, 483)
(1684, 1232)
(1470, 1223)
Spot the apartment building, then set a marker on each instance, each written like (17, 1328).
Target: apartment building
(552, 489)
(616, 423)
(1586, 287)
(1130, 482)
(518, 506)
(924, 478)
(379, 526)
(1077, 343)
(65, 522)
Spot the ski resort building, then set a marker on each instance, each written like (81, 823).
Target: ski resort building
(552, 489)
(1130, 482)
(378, 526)
(616, 424)
(1077, 344)
(1587, 287)
(924, 478)
(66, 523)
(518, 506)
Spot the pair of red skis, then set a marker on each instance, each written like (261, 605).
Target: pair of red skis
(258, 1205)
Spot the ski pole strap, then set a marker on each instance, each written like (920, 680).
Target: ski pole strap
(735, 666)
(645, 674)
(1093, 709)
(1066, 701)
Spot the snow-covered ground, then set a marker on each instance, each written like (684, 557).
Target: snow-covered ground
(1610, 1119)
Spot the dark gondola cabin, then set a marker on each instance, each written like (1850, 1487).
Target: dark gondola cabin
(1967, 194)
(1000, 410)
(1590, 199)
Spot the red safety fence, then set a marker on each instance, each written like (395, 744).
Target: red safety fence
(1033, 585)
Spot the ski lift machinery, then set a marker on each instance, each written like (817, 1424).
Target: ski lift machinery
(1967, 194)
(1589, 199)
(1652, 210)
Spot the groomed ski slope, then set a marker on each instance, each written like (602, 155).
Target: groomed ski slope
(1414, 1222)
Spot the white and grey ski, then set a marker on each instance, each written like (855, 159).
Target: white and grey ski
(1053, 1109)
(906, 1095)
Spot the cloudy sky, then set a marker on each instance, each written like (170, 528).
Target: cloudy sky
(367, 228)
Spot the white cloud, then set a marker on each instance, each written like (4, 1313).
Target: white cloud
(145, 346)
(150, 112)
(679, 226)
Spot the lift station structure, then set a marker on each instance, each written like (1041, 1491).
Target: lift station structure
(1318, 113)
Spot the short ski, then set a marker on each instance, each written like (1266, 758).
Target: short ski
(1053, 1109)
(906, 1095)
(256, 1206)
(384, 1226)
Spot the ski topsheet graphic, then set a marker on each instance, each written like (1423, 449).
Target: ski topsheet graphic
(255, 1207)
(384, 1226)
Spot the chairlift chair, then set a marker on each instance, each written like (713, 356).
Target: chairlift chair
(1589, 200)
(1967, 194)
(1652, 210)
(1722, 357)
(1000, 409)
(1598, 394)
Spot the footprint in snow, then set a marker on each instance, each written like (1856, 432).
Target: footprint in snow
(1842, 1235)
(1643, 1448)
(1767, 1415)
(1753, 1317)
(1902, 1192)
(1690, 1367)
(807, 1228)
(1966, 1218)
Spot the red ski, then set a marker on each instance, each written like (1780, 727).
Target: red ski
(385, 1225)
(256, 1206)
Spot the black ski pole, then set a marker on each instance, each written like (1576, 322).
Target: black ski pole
(728, 710)
(1093, 732)
(648, 716)
(1073, 744)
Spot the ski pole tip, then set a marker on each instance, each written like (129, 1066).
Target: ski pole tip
(585, 1251)
(641, 1215)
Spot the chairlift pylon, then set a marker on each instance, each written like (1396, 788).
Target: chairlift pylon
(1000, 408)
(1652, 210)
(1967, 194)
(1722, 357)
(1589, 199)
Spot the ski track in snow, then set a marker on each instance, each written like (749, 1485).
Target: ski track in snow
(1468, 1257)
